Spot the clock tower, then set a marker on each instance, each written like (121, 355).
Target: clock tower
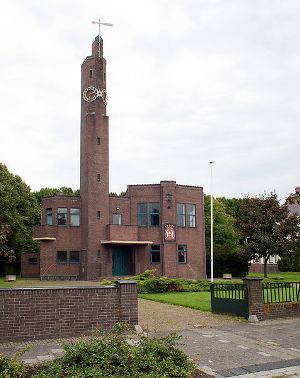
(94, 161)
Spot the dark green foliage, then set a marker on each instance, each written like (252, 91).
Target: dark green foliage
(227, 256)
(228, 262)
(111, 356)
(290, 262)
(19, 210)
(10, 367)
(50, 192)
(267, 228)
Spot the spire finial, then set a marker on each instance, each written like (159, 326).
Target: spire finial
(100, 23)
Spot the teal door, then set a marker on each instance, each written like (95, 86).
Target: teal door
(120, 261)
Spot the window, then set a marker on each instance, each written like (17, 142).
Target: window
(98, 214)
(98, 177)
(62, 257)
(49, 218)
(155, 253)
(74, 217)
(98, 141)
(142, 214)
(74, 257)
(154, 214)
(33, 260)
(182, 252)
(62, 216)
(91, 73)
(98, 253)
(181, 215)
(117, 219)
(191, 215)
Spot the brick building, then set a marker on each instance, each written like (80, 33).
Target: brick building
(95, 235)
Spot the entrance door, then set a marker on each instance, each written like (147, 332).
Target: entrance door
(120, 261)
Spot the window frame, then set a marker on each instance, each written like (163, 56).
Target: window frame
(120, 218)
(157, 250)
(180, 214)
(58, 262)
(184, 251)
(57, 216)
(152, 214)
(190, 216)
(72, 215)
(47, 216)
(74, 262)
(30, 262)
(144, 214)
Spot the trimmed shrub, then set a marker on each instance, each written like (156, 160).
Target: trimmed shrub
(111, 356)
(10, 367)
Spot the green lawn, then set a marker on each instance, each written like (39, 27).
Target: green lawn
(198, 300)
(280, 276)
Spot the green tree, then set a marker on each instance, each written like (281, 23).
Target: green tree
(50, 192)
(19, 211)
(266, 228)
(5, 252)
(227, 258)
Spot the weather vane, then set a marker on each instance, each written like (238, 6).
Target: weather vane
(99, 24)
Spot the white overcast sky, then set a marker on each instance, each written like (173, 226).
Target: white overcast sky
(189, 82)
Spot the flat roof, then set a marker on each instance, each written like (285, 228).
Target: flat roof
(138, 242)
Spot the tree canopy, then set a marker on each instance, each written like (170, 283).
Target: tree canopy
(49, 192)
(19, 212)
(266, 228)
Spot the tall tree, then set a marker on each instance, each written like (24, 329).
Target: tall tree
(227, 258)
(267, 228)
(19, 211)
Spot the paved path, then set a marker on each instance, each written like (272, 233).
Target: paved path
(246, 348)
(223, 346)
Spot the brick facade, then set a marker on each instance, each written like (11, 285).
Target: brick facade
(30, 265)
(108, 249)
(32, 313)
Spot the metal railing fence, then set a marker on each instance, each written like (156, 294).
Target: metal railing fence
(281, 292)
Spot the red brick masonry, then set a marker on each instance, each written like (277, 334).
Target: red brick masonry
(281, 310)
(40, 313)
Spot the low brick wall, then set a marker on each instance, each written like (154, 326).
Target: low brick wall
(40, 313)
(281, 310)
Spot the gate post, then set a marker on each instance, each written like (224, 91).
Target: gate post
(127, 301)
(255, 296)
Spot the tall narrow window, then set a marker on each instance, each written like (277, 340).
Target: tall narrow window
(182, 254)
(155, 253)
(98, 214)
(117, 219)
(191, 215)
(154, 214)
(49, 217)
(98, 141)
(142, 214)
(74, 217)
(91, 73)
(181, 215)
(62, 216)
(98, 177)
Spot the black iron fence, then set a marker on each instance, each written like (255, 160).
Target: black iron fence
(281, 292)
(229, 298)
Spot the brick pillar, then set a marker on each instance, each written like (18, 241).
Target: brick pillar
(128, 301)
(255, 297)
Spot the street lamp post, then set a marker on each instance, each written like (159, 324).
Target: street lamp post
(99, 24)
(211, 225)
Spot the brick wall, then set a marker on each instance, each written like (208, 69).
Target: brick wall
(281, 310)
(40, 313)
(30, 265)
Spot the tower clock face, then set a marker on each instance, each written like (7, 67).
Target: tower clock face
(91, 93)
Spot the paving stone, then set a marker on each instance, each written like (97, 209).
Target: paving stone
(57, 351)
(48, 357)
(30, 361)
